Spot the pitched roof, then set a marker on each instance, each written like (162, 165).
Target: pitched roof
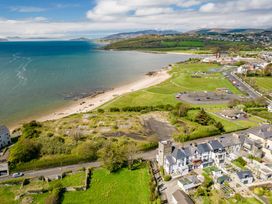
(203, 148)
(182, 198)
(190, 150)
(230, 140)
(215, 145)
(170, 159)
(178, 154)
(264, 132)
(244, 174)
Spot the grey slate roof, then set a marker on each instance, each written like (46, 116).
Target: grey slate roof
(215, 145)
(182, 198)
(244, 174)
(264, 132)
(178, 154)
(203, 148)
(190, 150)
(230, 140)
(170, 159)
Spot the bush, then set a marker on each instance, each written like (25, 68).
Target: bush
(259, 191)
(23, 151)
(167, 178)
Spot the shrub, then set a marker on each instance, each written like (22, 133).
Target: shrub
(259, 191)
(167, 178)
(100, 110)
(24, 151)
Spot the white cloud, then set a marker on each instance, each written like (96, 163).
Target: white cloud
(26, 9)
(207, 7)
(121, 15)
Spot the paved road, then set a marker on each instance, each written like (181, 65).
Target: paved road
(236, 81)
(51, 172)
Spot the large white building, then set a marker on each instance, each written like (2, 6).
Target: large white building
(4, 136)
(182, 160)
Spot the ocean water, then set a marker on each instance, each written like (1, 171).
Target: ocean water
(36, 77)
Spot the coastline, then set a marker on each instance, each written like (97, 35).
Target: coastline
(92, 102)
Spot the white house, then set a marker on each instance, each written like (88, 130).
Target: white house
(245, 177)
(218, 152)
(189, 182)
(4, 136)
(176, 162)
(269, 107)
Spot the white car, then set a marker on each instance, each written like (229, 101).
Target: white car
(18, 174)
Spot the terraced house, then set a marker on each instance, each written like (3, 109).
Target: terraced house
(182, 160)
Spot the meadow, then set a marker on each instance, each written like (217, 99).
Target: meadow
(264, 83)
(181, 80)
(124, 186)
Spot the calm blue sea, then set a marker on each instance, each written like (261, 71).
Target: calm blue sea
(39, 76)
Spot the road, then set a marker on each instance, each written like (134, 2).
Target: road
(51, 172)
(241, 85)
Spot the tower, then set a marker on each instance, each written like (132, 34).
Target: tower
(165, 148)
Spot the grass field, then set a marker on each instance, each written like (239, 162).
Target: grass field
(264, 83)
(123, 187)
(181, 80)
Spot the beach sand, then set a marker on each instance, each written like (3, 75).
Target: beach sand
(90, 103)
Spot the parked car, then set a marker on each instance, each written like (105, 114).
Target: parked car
(18, 174)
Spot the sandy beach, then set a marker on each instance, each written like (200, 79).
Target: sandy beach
(90, 103)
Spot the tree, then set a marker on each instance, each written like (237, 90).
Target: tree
(76, 135)
(182, 110)
(203, 118)
(24, 150)
(114, 156)
(219, 126)
(268, 70)
(30, 130)
(86, 150)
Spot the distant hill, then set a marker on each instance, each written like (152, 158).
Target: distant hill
(128, 35)
(80, 39)
(3, 40)
(225, 31)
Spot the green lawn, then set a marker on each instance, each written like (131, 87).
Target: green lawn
(181, 80)
(264, 83)
(76, 179)
(235, 125)
(7, 194)
(124, 186)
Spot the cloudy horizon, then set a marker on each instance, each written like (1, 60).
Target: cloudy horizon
(65, 18)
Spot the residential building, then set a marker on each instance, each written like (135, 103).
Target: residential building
(165, 148)
(264, 137)
(233, 114)
(179, 197)
(4, 136)
(245, 177)
(218, 152)
(232, 144)
(204, 151)
(253, 147)
(4, 169)
(189, 182)
(269, 107)
(176, 162)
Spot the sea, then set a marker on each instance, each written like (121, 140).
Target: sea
(37, 77)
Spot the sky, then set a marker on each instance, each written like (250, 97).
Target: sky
(94, 18)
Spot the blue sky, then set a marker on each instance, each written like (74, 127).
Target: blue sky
(66, 18)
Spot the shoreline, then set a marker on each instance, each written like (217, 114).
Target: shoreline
(92, 102)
